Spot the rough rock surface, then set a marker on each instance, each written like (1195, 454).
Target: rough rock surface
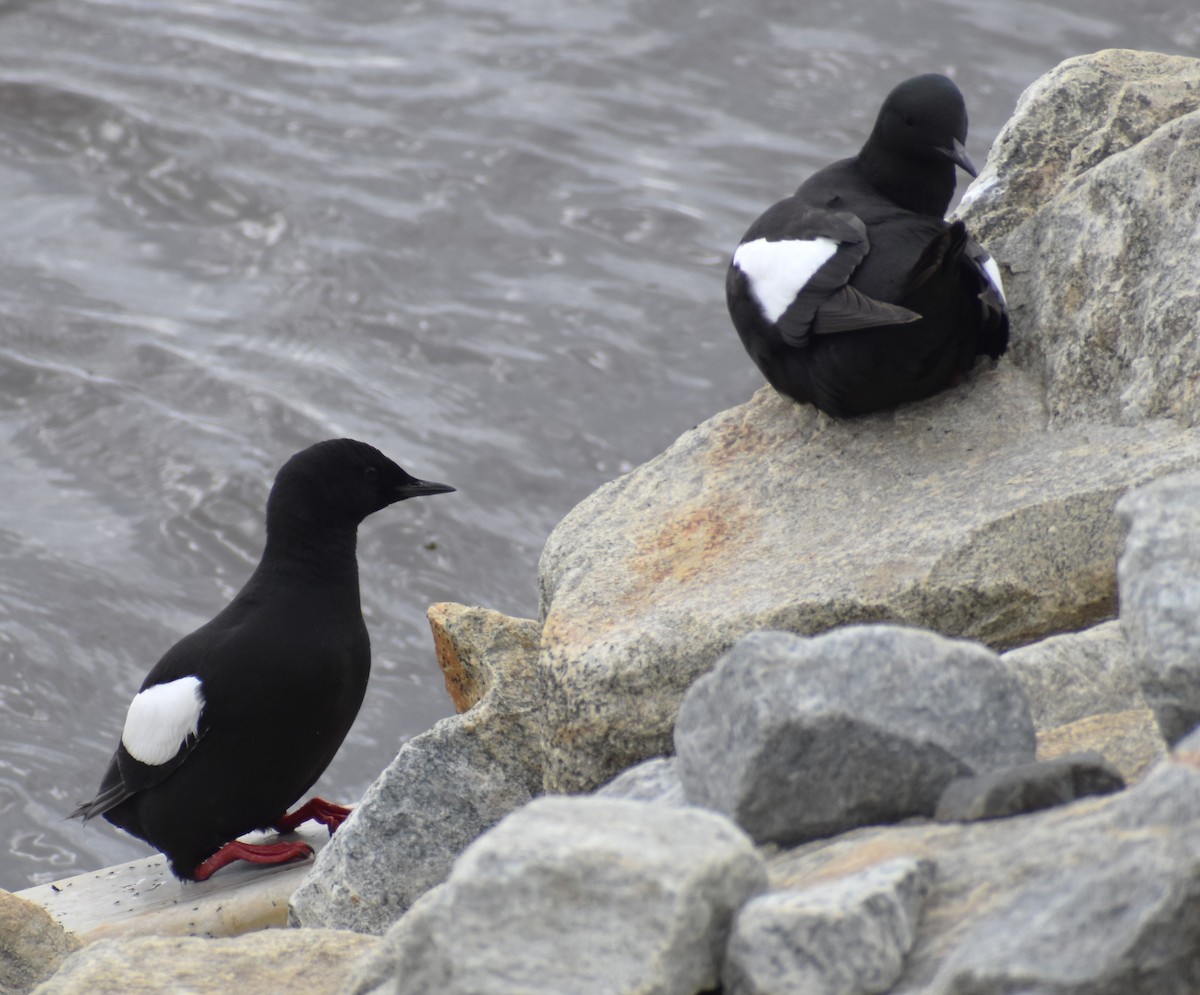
(578, 895)
(1028, 788)
(1160, 597)
(32, 944)
(993, 925)
(759, 518)
(796, 738)
(985, 512)
(1084, 692)
(845, 937)
(655, 780)
(444, 788)
(1088, 200)
(313, 961)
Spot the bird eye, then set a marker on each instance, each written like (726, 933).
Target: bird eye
(371, 472)
(909, 121)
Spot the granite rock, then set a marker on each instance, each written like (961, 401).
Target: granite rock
(977, 525)
(844, 937)
(796, 738)
(1085, 695)
(1088, 200)
(1160, 597)
(443, 789)
(654, 780)
(32, 944)
(313, 961)
(1027, 788)
(993, 873)
(577, 895)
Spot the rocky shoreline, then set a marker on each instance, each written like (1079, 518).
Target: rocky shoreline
(679, 780)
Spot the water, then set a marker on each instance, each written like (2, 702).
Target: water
(487, 237)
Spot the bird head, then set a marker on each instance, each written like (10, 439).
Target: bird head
(925, 118)
(340, 482)
(917, 141)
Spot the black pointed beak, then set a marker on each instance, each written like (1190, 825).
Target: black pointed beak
(958, 155)
(420, 488)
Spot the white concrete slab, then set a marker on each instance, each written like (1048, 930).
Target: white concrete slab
(143, 898)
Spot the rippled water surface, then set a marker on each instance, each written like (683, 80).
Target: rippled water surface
(487, 237)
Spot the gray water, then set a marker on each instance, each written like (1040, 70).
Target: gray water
(487, 237)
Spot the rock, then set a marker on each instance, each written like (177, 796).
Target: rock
(1076, 675)
(1088, 200)
(845, 937)
(272, 960)
(1160, 597)
(1100, 933)
(578, 895)
(1129, 740)
(1084, 693)
(796, 738)
(992, 879)
(444, 788)
(759, 518)
(477, 651)
(1027, 788)
(655, 780)
(408, 948)
(32, 944)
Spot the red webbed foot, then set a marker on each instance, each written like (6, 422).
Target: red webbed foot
(253, 853)
(328, 814)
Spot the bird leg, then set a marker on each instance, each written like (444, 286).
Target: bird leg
(319, 810)
(253, 853)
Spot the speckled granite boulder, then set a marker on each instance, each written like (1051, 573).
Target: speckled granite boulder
(577, 895)
(839, 938)
(444, 788)
(796, 738)
(1089, 200)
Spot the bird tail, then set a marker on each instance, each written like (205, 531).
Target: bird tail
(109, 797)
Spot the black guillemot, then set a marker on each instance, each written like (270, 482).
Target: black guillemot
(854, 294)
(239, 719)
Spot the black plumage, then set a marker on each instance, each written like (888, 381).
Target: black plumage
(854, 294)
(239, 719)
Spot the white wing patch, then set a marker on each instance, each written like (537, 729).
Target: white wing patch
(993, 274)
(161, 718)
(778, 271)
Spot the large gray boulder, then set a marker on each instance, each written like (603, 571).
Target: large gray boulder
(444, 787)
(577, 895)
(1089, 201)
(1160, 597)
(797, 738)
(986, 512)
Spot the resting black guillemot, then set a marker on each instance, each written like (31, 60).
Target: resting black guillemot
(854, 294)
(239, 719)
